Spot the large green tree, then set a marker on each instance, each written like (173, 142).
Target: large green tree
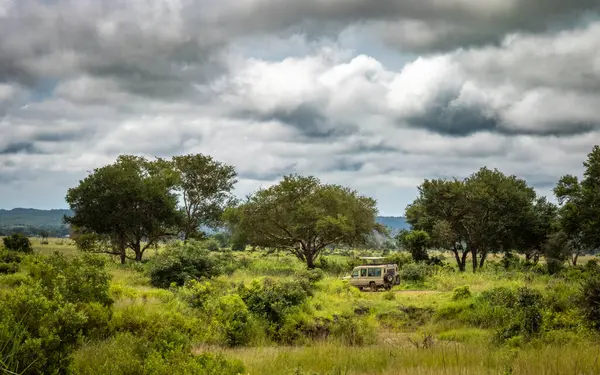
(303, 215)
(205, 186)
(579, 214)
(474, 216)
(129, 203)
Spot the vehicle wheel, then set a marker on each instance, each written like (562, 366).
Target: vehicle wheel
(397, 279)
(373, 286)
(387, 278)
(387, 286)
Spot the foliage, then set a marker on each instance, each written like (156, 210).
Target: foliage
(417, 272)
(126, 202)
(18, 242)
(590, 301)
(481, 214)
(180, 262)
(304, 216)
(461, 292)
(416, 242)
(44, 319)
(205, 186)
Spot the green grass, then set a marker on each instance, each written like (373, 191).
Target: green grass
(399, 319)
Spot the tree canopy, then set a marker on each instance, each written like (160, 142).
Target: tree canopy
(483, 213)
(205, 187)
(128, 202)
(304, 216)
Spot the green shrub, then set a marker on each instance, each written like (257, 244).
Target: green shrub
(330, 265)
(7, 256)
(128, 354)
(60, 302)
(181, 262)
(8, 268)
(18, 242)
(461, 292)
(399, 258)
(416, 272)
(78, 279)
(235, 320)
(272, 300)
(590, 301)
(212, 244)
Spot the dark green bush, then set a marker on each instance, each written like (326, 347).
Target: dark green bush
(8, 268)
(10, 256)
(331, 266)
(272, 300)
(399, 258)
(181, 262)
(461, 292)
(416, 272)
(18, 242)
(590, 301)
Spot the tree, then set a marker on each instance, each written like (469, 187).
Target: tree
(44, 234)
(205, 187)
(303, 216)
(579, 213)
(416, 242)
(475, 216)
(18, 242)
(125, 203)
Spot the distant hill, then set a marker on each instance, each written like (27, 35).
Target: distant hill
(32, 217)
(53, 218)
(395, 223)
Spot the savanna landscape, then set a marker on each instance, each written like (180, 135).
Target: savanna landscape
(165, 271)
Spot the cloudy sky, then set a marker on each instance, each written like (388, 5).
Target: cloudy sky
(373, 94)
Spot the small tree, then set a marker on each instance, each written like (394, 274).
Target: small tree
(205, 186)
(304, 216)
(416, 242)
(18, 242)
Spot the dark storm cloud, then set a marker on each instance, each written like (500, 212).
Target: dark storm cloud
(434, 25)
(310, 121)
(18, 148)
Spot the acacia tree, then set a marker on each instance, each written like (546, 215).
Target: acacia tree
(124, 204)
(205, 186)
(474, 216)
(579, 214)
(303, 216)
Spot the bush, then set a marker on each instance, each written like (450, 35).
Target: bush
(234, 319)
(414, 272)
(461, 292)
(128, 354)
(8, 268)
(590, 301)
(212, 244)
(60, 302)
(181, 262)
(79, 279)
(273, 301)
(399, 258)
(18, 242)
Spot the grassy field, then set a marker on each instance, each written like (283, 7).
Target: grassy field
(419, 327)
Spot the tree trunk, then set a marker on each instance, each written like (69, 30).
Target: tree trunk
(310, 261)
(459, 262)
(474, 259)
(122, 251)
(138, 251)
(575, 256)
(482, 259)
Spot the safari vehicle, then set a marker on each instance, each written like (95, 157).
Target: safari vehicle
(374, 275)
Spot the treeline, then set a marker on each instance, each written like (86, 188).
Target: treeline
(36, 231)
(490, 212)
(129, 206)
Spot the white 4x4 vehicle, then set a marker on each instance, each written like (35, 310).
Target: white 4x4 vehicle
(374, 276)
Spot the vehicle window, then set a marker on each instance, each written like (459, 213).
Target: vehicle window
(355, 273)
(374, 272)
(363, 272)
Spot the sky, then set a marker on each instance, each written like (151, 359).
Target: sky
(377, 95)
